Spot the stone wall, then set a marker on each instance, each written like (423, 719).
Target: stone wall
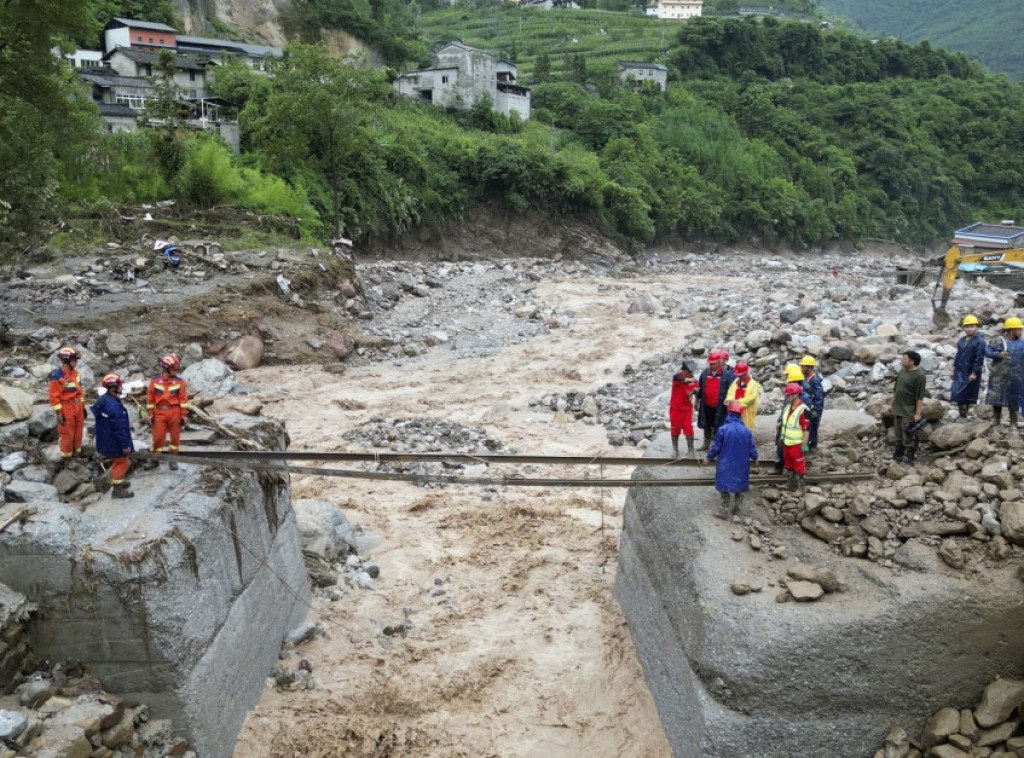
(178, 598)
(745, 675)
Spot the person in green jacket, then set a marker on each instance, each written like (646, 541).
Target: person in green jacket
(907, 404)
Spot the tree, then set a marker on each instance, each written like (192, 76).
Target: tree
(43, 124)
(542, 69)
(315, 120)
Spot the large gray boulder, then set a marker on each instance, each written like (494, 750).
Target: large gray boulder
(323, 529)
(15, 404)
(747, 676)
(209, 377)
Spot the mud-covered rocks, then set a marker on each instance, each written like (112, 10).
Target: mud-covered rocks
(423, 435)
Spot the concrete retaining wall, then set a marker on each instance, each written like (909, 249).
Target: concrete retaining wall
(178, 598)
(746, 676)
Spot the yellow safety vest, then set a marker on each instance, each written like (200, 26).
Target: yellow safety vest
(792, 434)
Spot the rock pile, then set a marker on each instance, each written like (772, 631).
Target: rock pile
(989, 730)
(53, 716)
(423, 435)
(333, 548)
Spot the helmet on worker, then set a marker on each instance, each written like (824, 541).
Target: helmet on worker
(793, 373)
(735, 407)
(793, 389)
(741, 368)
(808, 360)
(688, 365)
(111, 380)
(1013, 323)
(66, 354)
(714, 357)
(170, 361)
(969, 320)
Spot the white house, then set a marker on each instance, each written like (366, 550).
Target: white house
(635, 74)
(462, 75)
(677, 10)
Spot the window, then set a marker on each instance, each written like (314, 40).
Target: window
(191, 76)
(140, 38)
(161, 40)
(151, 40)
(147, 70)
(192, 94)
(444, 80)
(132, 101)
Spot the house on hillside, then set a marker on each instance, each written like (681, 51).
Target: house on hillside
(190, 75)
(461, 76)
(634, 74)
(678, 10)
(257, 57)
(126, 32)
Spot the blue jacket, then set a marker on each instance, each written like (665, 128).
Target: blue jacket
(113, 426)
(814, 391)
(970, 359)
(734, 449)
(1006, 375)
(725, 381)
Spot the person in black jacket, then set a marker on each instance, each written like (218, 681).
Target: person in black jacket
(114, 434)
(714, 385)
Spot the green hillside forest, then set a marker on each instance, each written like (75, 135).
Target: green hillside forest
(769, 130)
(988, 30)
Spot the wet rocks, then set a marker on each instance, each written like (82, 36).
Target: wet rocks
(423, 435)
(210, 377)
(245, 353)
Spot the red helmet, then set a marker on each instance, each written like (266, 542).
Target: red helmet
(714, 356)
(170, 361)
(794, 389)
(113, 379)
(741, 368)
(735, 407)
(724, 355)
(67, 354)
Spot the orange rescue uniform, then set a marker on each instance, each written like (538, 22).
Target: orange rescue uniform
(167, 406)
(66, 397)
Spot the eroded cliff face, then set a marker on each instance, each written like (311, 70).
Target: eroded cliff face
(265, 18)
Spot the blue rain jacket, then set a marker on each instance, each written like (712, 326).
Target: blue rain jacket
(970, 359)
(725, 381)
(1006, 374)
(113, 426)
(734, 449)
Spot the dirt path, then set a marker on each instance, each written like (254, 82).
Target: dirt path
(525, 652)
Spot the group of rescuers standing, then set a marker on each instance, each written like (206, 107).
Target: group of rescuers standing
(726, 401)
(166, 410)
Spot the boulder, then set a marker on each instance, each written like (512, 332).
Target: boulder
(804, 592)
(998, 701)
(933, 410)
(1011, 519)
(246, 353)
(21, 491)
(998, 473)
(950, 436)
(822, 529)
(43, 422)
(820, 576)
(944, 722)
(209, 377)
(341, 345)
(643, 303)
(117, 344)
(790, 314)
(15, 404)
(721, 668)
(323, 529)
(876, 525)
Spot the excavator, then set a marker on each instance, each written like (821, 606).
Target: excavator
(978, 249)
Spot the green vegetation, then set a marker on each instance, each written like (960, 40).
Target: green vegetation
(768, 129)
(985, 29)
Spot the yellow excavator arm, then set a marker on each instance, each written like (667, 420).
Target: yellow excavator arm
(956, 257)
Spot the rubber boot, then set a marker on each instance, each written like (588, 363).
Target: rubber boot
(737, 501)
(801, 483)
(997, 414)
(791, 479)
(121, 490)
(689, 445)
(675, 447)
(962, 408)
(779, 465)
(723, 508)
(706, 445)
(172, 464)
(897, 455)
(1014, 418)
(911, 453)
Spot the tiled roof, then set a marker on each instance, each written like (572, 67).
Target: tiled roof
(104, 79)
(182, 61)
(116, 109)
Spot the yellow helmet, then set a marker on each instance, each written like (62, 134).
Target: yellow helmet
(808, 360)
(793, 373)
(968, 320)
(1013, 323)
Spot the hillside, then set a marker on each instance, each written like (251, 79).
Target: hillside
(986, 30)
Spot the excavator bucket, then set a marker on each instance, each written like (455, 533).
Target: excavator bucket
(941, 317)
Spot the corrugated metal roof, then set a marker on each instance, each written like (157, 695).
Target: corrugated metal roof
(116, 109)
(201, 43)
(634, 64)
(181, 60)
(113, 80)
(145, 25)
(995, 236)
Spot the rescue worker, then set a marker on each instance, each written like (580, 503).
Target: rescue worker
(67, 400)
(680, 407)
(907, 406)
(794, 432)
(747, 391)
(114, 434)
(794, 374)
(967, 366)
(1007, 372)
(714, 386)
(814, 391)
(167, 408)
(734, 449)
